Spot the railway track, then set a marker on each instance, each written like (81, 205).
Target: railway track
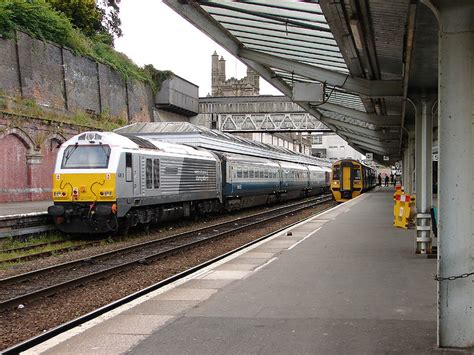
(30, 286)
(42, 254)
(25, 224)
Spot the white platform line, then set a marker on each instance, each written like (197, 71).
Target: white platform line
(265, 264)
(309, 235)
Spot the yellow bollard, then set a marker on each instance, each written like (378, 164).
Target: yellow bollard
(398, 191)
(401, 210)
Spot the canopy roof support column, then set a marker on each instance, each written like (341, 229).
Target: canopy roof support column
(423, 167)
(456, 173)
(410, 164)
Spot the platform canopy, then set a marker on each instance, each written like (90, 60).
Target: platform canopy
(345, 62)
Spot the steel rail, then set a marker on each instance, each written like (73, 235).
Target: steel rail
(167, 246)
(29, 343)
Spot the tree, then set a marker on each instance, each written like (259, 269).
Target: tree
(99, 19)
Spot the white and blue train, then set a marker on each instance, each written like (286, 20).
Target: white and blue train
(105, 181)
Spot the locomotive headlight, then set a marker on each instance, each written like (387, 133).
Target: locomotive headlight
(106, 193)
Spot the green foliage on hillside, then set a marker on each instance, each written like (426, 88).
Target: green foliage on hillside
(40, 20)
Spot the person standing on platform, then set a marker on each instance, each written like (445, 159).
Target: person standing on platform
(391, 178)
(380, 179)
(386, 179)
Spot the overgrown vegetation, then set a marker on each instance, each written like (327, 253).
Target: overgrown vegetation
(40, 20)
(92, 17)
(11, 242)
(28, 107)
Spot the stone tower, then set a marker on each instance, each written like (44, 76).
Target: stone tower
(247, 86)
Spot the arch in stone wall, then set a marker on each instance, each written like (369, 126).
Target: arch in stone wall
(15, 179)
(56, 137)
(21, 135)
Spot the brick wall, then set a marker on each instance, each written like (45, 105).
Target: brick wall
(28, 149)
(56, 78)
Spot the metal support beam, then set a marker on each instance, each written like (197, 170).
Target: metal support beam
(405, 178)
(369, 88)
(456, 173)
(372, 147)
(377, 142)
(381, 121)
(423, 173)
(347, 125)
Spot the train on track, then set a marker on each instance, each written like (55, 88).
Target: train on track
(350, 178)
(104, 182)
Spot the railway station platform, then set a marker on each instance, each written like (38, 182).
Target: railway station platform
(17, 208)
(345, 281)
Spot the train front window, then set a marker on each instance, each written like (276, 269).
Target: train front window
(357, 174)
(86, 157)
(336, 173)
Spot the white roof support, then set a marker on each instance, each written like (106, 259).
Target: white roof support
(373, 148)
(381, 121)
(378, 142)
(369, 88)
(347, 125)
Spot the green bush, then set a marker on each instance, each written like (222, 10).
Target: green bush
(40, 20)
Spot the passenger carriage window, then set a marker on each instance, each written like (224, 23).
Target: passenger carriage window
(246, 174)
(149, 174)
(261, 174)
(128, 167)
(239, 172)
(265, 174)
(251, 174)
(156, 173)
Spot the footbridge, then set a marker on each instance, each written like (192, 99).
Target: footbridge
(258, 114)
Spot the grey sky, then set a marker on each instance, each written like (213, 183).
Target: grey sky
(155, 34)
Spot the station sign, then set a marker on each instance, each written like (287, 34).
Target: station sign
(308, 92)
(386, 158)
(435, 157)
(369, 156)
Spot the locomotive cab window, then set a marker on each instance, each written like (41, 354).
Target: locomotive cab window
(86, 157)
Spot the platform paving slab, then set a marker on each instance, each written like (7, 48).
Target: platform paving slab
(14, 208)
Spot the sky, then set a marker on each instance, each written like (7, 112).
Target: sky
(155, 34)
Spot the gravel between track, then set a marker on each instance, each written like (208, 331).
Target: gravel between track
(27, 322)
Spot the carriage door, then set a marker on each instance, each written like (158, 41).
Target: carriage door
(346, 178)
